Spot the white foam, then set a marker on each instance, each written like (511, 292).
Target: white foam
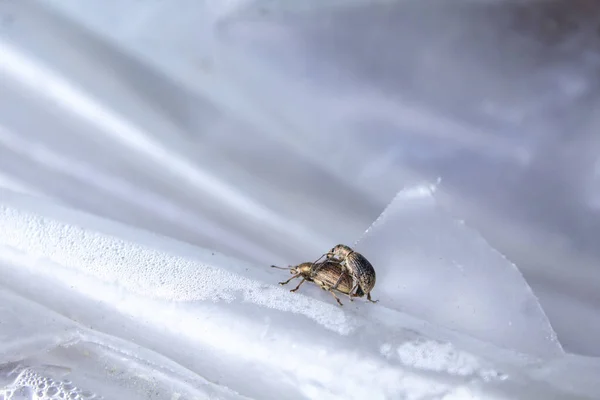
(34, 385)
(430, 355)
(153, 273)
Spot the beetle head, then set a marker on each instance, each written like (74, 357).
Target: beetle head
(303, 269)
(340, 251)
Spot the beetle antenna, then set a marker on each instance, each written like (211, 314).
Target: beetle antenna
(275, 266)
(314, 262)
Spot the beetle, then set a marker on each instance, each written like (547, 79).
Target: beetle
(356, 265)
(330, 273)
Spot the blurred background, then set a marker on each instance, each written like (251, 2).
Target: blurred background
(271, 130)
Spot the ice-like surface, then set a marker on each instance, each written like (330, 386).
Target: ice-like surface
(433, 267)
(242, 344)
(485, 297)
(237, 332)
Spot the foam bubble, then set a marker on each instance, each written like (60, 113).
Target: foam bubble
(30, 384)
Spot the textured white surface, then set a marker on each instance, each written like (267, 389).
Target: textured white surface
(146, 271)
(408, 266)
(49, 249)
(225, 320)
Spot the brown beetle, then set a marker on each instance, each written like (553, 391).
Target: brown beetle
(357, 266)
(330, 273)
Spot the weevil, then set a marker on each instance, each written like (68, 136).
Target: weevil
(330, 273)
(356, 265)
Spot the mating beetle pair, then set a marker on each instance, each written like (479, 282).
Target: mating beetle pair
(343, 270)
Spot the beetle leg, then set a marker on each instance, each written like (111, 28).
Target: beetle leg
(344, 271)
(330, 290)
(371, 300)
(344, 265)
(351, 294)
(338, 281)
(298, 287)
(288, 281)
(336, 298)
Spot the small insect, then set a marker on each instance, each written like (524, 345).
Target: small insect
(356, 265)
(330, 273)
